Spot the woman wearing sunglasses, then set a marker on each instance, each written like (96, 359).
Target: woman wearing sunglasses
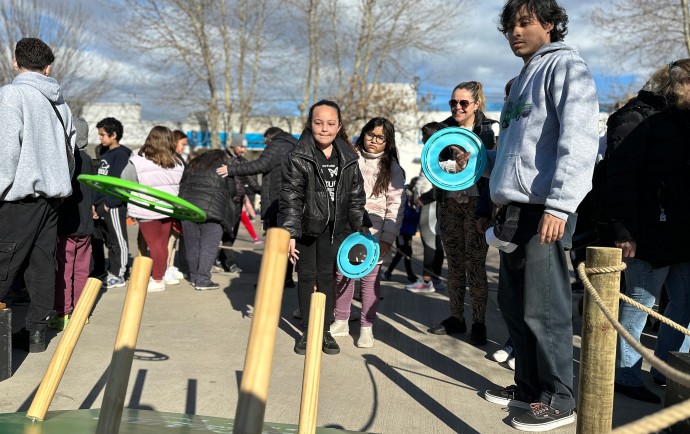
(384, 181)
(463, 241)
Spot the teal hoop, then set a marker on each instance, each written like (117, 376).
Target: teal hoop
(453, 136)
(357, 271)
(122, 189)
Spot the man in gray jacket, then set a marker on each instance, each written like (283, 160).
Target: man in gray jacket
(541, 171)
(37, 142)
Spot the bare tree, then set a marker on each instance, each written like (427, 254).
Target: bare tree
(65, 27)
(649, 32)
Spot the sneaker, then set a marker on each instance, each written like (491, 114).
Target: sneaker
(511, 363)
(387, 275)
(115, 281)
(155, 285)
(234, 269)
(301, 344)
(449, 326)
(217, 269)
(439, 284)
(176, 272)
(340, 328)
(501, 356)
(542, 417)
(478, 334)
(506, 397)
(366, 338)
(258, 241)
(420, 286)
(206, 286)
(30, 341)
(297, 314)
(170, 278)
(329, 346)
(58, 322)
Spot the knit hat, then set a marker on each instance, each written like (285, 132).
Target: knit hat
(238, 140)
(82, 132)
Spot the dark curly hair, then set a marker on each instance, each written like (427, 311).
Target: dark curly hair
(545, 11)
(33, 54)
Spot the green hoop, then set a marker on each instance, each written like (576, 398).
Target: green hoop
(122, 189)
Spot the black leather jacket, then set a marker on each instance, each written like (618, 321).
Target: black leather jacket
(212, 193)
(304, 199)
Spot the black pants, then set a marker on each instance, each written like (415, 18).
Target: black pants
(201, 244)
(227, 256)
(404, 247)
(316, 266)
(115, 238)
(28, 235)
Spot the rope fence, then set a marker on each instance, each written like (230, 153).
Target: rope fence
(668, 416)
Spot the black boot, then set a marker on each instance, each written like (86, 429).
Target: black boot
(478, 334)
(449, 326)
(301, 344)
(33, 341)
(330, 346)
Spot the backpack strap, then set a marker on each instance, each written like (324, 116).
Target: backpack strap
(68, 145)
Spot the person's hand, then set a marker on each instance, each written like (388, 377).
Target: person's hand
(551, 229)
(418, 202)
(461, 157)
(222, 170)
(293, 253)
(482, 225)
(94, 214)
(629, 248)
(384, 248)
(105, 208)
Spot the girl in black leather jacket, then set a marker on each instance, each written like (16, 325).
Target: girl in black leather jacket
(322, 199)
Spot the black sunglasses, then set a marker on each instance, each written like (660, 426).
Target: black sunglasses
(463, 103)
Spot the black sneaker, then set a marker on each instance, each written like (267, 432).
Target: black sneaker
(542, 417)
(507, 397)
(449, 326)
(330, 346)
(206, 286)
(234, 268)
(30, 341)
(301, 344)
(478, 334)
(640, 393)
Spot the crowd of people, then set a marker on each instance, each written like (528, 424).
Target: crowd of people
(322, 186)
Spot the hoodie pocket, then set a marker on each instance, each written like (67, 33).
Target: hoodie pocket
(6, 253)
(513, 171)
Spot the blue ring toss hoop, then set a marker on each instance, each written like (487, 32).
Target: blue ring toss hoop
(459, 137)
(123, 189)
(357, 271)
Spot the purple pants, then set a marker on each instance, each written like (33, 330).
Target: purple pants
(370, 286)
(73, 256)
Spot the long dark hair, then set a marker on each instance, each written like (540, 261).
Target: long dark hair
(390, 153)
(208, 161)
(342, 133)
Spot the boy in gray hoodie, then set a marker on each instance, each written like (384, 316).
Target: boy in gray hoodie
(542, 170)
(37, 142)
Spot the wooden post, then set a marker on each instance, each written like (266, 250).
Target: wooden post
(251, 405)
(125, 343)
(598, 348)
(63, 352)
(312, 365)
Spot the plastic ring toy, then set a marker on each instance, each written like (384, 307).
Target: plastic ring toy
(357, 271)
(453, 136)
(122, 189)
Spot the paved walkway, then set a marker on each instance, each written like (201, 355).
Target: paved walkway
(191, 347)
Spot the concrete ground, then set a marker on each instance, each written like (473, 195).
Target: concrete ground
(191, 349)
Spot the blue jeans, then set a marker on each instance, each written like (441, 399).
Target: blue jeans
(643, 284)
(535, 299)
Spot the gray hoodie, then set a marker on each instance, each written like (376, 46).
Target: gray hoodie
(33, 160)
(549, 134)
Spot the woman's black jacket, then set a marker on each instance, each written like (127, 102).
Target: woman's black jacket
(648, 178)
(304, 199)
(212, 193)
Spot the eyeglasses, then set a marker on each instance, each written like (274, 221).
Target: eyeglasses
(463, 103)
(375, 138)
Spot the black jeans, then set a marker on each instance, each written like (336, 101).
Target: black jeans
(28, 235)
(227, 256)
(201, 245)
(316, 266)
(535, 300)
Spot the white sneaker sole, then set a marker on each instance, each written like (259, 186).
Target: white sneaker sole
(543, 426)
(506, 402)
(340, 334)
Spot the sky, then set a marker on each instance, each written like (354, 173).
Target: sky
(481, 53)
